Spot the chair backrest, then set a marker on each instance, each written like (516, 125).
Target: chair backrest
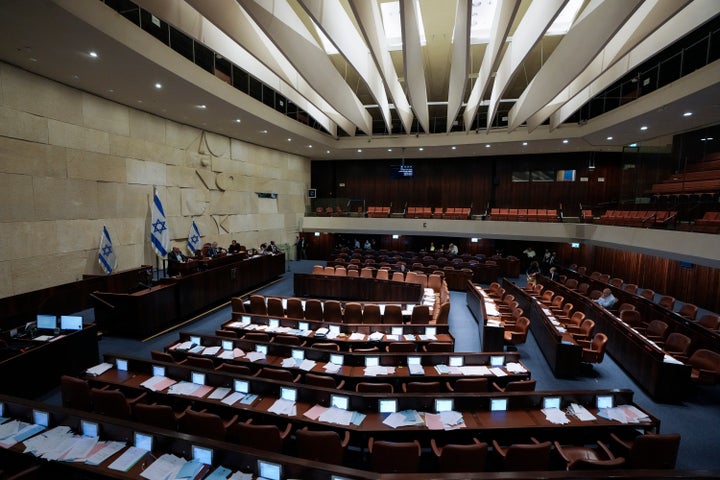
(275, 374)
(438, 347)
(275, 307)
(710, 320)
(616, 282)
(353, 313)
(294, 308)
(329, 270)
(421, 387)
(595, 294)
(75, 393)
(394, 457)
(463, 458)
(626, 306)
(420, 314)
(320, 446)
(382, 274)
(226, 333)
(233, 368)
(571, 283)
(557, 301)
(631, 317)
(258, 305)
(596, 352)
(583, 288)
(647, 293)
(327, 346)
(657, 329)
(158, 415)
(398, 277)
(332, 311)
(677, 343)
(521, 457)
(199, 362)
(263, 437)
(392, 314)
(159, 356)
(401, 346)
(521, 386)
(371, 313)
(111, 403)
(586, 327)
(257, 336)
(688, 310)
(630, 288)
(318, 269)
(667, 301)
(443, 314)
(317, 380)
(284, 339)
(654, 451)
(471, 385)
(371, 387)
(313, 309)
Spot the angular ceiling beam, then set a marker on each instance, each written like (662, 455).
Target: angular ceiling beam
(338, 27)
(587, 37)
(414, 64)
(504, 16)
(281, 24)
(459, 65)
(538, 17)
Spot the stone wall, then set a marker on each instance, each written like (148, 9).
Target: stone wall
(71, 162)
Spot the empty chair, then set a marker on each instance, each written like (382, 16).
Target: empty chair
(632, 318)
(630, 288)
(594, 350)
(340, 271)
(75, 393)
(382, 274)
(325, 381)
(524, 457)
(372, 387)
(517, 334)
(421, 387)
(321, 446)
(583, 288)
(275, 307)
(677, 344)
(159, 356)
(158, 415)
(113, 403)
(394, 457)
(652, 450)
(581, 270)
(327, 346)
(626, 306)
(688, 310)
(588, 458)
(469, 385)
(710, 320)
(313, 309)
(257, 336)
(461, 458)
(294, 308)
(667, 301)
(277, 374)
(575, 319)
(284, 339)
(656, 330)
(371, 313)
(400, 347)
(438, 347)
(226, 333)
(585, 330)
(616, 282)
(318, 269)
(443, 314)
(333, 311)
(329, 270)
(353, 272)
(258, 305)
(647, 293)
(604, 277)
(352, 313)
(365, 350)
(398, 277)
(420, 314)
(367, 272)
(199, 362)
(705, 366)
(263, 437)
(517, 386)
(435, 282)
(571, 283)
(392, 314)
(234, 369)
(595, 294)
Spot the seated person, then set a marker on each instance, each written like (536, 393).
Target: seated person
(234, 247)
(532, 272)
(272, 248)
(607, 299)
(174, 257)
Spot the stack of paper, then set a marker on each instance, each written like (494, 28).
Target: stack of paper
(624, 414)
(514, 367)
(475, 370)
(374, 337)
(406, 418)
(283, 407)
(332, 368)
(211, 350)
(555, 415)
(99, 369)
(157, 383)
(255, 356)
(498, 372)
(416, 369)
(373, 371)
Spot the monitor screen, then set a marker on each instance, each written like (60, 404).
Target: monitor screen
(143, 441)
(443, 405)
(397, 330)
(372, 361)
(339, 401)
(227, 345)
(274, 323)
(303, 326)
(246, 319)
(47, 322)
(401, 171)
(71, 322)
(431, 331)
(41, 418)
(336, 359)
(288, 393)
(456, 361)
(605, 401)
(498, 404)
(158, 371)
(121, 364)
(89, 429)
(335, 329)
(414, 360)
(497, 360)
(271, 471)
(195, 340)
(197, 378)
(261, 349)
(202, 454)
(551, 402)
(387, 405)
(241, 386)
(298, 354)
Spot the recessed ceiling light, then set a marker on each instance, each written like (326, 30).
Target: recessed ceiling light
(359, 150)
(524, 144)
(454, 147)
(263, 132)
(237, 120)
(309, 146)
(565, 140)
(643, 128)
(487, 145)
(33, 59)
(327, 151)
(158, 85)
(389, 149)
(609, 138)
(111, 90)
(421, 149)
(93, 54)
(687, 114)
(139, 101)
(202, 107)
(289, 139)
(76, 77)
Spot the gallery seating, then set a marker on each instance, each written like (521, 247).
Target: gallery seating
(705, 367)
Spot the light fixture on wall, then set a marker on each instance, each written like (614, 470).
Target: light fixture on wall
(591, 163)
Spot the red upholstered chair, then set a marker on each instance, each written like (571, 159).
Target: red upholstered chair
(321, 446)
(650, 451)
(705, 367)
(420, 314)
(75, 393)
(588, 458)
(688, 310)
(460, 458)
(206, 424)
(517, 334)
(275, 307)
(394, 457)
(667, 301)
(372, 387)
(710, 321)
(594, 350)
(471, 385)
(113, 403)
(263, 437)
(677, 345)
(392, 315)
(258, 305)
(517, 386)
(524, 457)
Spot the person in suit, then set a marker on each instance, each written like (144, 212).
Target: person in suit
(234, 247)
(552, 274)
(174, 257)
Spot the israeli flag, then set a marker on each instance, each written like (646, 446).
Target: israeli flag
(159, 234)
(193, 238)
(106, 255)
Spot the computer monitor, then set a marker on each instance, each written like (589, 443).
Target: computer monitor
(273, 323)
(197, 378)
(336, 358)
(413, 360)
(303, 326)
(89, 429)
(551, 402)
(46, 322)
(605, 401)
(287, 393)
(71, 322)
(195, 340)
(41, 417)
(387, 405)
(261, 349)
(340, 401)
(431, 331)
(269, 470)
(397, 330)
(121, 364)
(498, 404)
(203, 455)
(246, 319)
(443, 405)
(143, 441)
(241, 386)
(298, 354)
(335, 329)
(372, 361)
(497, 360)
(456, 361)
(158, 371)
(227, 345)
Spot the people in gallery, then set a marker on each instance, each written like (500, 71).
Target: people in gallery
(532, 272)
(234, 247)
(607, 299)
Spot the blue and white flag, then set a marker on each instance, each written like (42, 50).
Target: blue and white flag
(106, 255)
(159, 234)
(194, 239)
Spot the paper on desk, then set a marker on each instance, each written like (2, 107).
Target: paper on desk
(391, 337)
(474, 370)
(190, 469)
(183, 388)
(332, 368)
(555, 415)
(255, 356)
(498, 372)
(336, 415)
(81, 449)
(416, 369)
(129, 458)
(99, 369)
(187, 345)
(514, 367)
(167, 466)
(242, 476)
(442, 369)
(357, 418)
(103, 451)
(196, 349)
(357, 336)
(405, 418)
(624, 414)
(232, 398)
(307, 365)
(409, 337)
(48, 441)
(219, 393)
(314, 412)
(375, 336)
(288, 363)
(581, 413)
(283, 407)
(157, 383)
(220, 473)
(211, 350)
(426, 338)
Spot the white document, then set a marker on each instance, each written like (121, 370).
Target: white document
(581, 413)
(474, 370)
(255, 356)
(211, 350)
(99, 369)
(283, 407)
(232, 398)
(108, 450)
(555, 415)
(498, 372)
(167, 466)
(129, 458)
(307, 365)
(219, 393)
(416, 369)
(332, 368)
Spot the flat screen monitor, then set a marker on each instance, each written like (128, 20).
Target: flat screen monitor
(71, 322)
(246, 319)
(203, 455)
(241, 386)
(273, 323)
(298, 354)
(387, 405)
(497, 360)
(498, 404)
(227, 345)
(372, 361)
(197, 378)
(397, 330)
(431, 331)
(401, 171)
(551, 402)
(89, 429)
(335, 329)
(336, 359)
(443, 405)
(195, 340)
(605, 401)
(121, 364)
(269, 470)
(143, 441)
(46, 322)
(414, 360)
(288, 393)
(41, 418)
(456, 361)
(261, 349)
(339, 401)
(303, 326)
(158, 371)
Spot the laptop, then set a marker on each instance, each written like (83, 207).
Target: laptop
(70, 323)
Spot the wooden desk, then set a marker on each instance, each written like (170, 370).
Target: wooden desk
(356, 289)
(559, 349)
(493, 336)
(150, 310)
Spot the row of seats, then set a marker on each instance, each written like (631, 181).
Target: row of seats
(636, 218)
(448, 213)
(524, 214)
(433, 281)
